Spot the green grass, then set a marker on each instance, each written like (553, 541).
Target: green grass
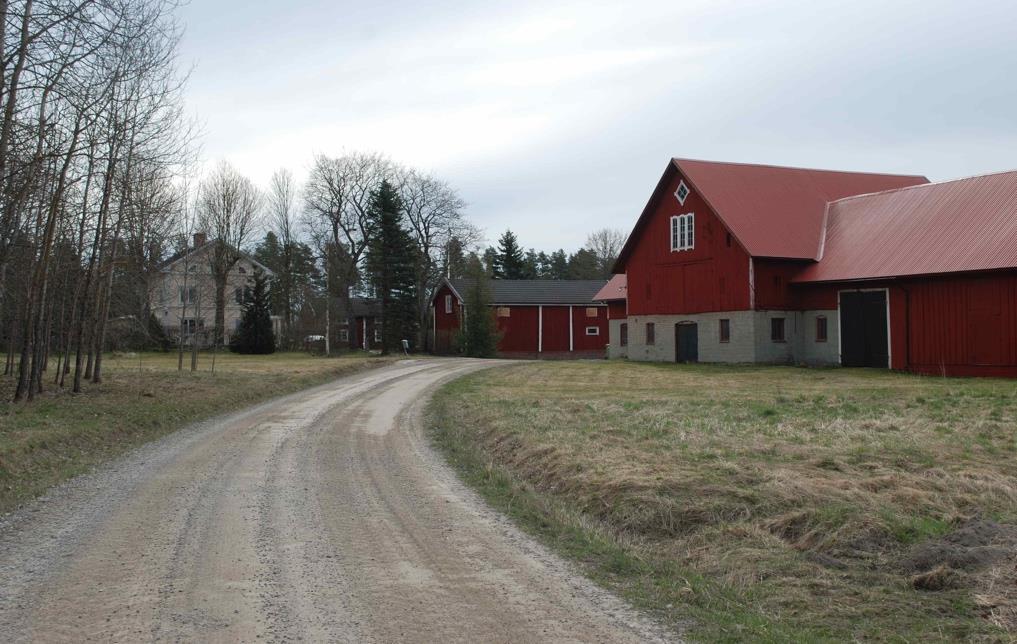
(753, 503)
(143, 396)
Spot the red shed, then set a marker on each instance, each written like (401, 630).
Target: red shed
(536, 318)
(750, 263)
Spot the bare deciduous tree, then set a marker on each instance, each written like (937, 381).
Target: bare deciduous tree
(605, 244)
(228, 206)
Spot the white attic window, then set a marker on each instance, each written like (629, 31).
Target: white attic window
(682, 193)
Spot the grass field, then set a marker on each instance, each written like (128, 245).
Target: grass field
(759, 503)
(143, 397)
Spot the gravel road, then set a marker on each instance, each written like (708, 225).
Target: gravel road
(323, 516)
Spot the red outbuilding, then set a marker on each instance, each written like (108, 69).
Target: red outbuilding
(749, 263)
(535, 318)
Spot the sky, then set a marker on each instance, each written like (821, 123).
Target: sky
(556, 119)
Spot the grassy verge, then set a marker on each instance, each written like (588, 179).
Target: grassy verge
(60, 435)
(755, 503)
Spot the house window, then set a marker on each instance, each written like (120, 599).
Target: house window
(238, 295)
(504, 312)
(821, 328)
(777, 329)
(592, 312)
(377, 334)
(592, 330)
(683, 232)
(241, 270)
(725, 330)
(344, 335)
(651, 333)
(448, 304)
(188, 295)
(624, 333)
(682, 193)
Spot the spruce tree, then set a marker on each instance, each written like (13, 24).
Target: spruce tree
(391, 268)
(583, 265)
(255, 334)
(479, 335)
(509, 261)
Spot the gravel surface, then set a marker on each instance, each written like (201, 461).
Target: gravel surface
(320, 516)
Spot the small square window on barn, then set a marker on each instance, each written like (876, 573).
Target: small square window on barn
(592, 330)
(821, 328)
(623, 340)
(651, 333)
(777, 329)
(725, 330)
(448, 304)
(504, 312)
(592, 311)
(682, 193)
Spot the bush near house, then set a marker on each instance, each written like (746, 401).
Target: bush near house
(748, 503)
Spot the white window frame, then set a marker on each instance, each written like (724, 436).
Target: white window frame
(344, 335)
(593, 330)
(678, 191)
(377, 333)
(683, 232)
(448, 304)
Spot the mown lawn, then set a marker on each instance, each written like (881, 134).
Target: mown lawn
(143, 396)
(759, 503)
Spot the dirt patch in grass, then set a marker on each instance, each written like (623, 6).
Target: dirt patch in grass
(143, 396)
(765, 503)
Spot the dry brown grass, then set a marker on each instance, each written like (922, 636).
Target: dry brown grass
(805, 495)
(143, 396)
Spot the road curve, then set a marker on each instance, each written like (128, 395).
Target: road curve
(320, 516)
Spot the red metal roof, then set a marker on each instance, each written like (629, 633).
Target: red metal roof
(615, 289)
(963, 225)
(775, 211)
(772, 211)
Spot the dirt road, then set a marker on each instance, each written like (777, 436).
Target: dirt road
(322, 516)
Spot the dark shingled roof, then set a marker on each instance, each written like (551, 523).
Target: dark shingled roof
(536, 291)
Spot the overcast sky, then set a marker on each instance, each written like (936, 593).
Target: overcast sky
(556, 119)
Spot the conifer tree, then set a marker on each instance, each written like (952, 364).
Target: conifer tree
(509, 261)
(255, 334)
(391, 268)
(479, 335)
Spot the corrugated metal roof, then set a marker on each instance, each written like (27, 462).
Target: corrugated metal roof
(773, 211)
(963, 225)
(536, 291)
(776, 211)
(615, 289)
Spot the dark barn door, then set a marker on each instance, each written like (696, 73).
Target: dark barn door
(686, 339)
(863, 340)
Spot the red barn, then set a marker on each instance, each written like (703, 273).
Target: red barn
(536, 318)
(750, 263)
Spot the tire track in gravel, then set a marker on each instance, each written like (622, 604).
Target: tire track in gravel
(321, 516)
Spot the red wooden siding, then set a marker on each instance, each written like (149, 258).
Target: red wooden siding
(616, 310)
(963, 325)
(519, 330)
(714, 276)
(580, 321)
(446, 325)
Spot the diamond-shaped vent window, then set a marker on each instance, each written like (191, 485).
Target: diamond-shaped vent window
(681, 193)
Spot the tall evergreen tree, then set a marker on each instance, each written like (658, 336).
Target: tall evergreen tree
(583, 265)
(543, 266)
(531, 265)
(558, 266)
(479, 335)
(255, 334)
(391, 268)
(509, 261)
